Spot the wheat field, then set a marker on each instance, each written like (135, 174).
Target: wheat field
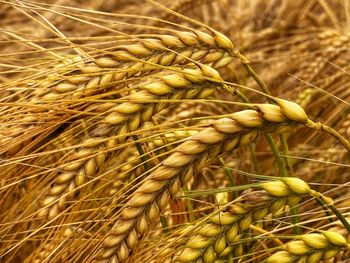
(174, 131)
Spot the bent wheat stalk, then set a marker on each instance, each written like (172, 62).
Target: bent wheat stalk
(153, 196)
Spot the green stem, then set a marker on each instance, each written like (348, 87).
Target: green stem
(164, 223)
(254, 159)
(264, 88)
(270, 140)
(329, 203)
(295, 220)
(189, 204)
(322, 127)
(328, 214)
(285, 150)
(294, 211)
(142, 154)
(340, 217)
(242, 96)
(229, 176)
(249, 69)
(277, 155)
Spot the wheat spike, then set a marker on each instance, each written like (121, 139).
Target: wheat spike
(216, 239)
(122, 119)
(152, 197)
(312, 248)
(124, 176)
(180, 48)
(84, 79)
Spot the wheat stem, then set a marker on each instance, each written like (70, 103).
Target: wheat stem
(276, 153)
(229, 175)
(142, 154)
(322, 127)
(329, 203)
(279, 162)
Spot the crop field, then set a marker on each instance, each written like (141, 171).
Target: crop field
(159, 131)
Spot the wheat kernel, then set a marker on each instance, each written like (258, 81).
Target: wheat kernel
(296, 185)
(331, 253)
(209, 255)
(276, 188)
(224, 219)
(248, 118)
(189, 38)
(232, 233)
(198, 242)
(137, 49)
(157, 88)
(292, 110)
(315, 240)
(178, 159)
(280, 257)
(189, 255)
(220, 244)
(297, 247)
(335, 238)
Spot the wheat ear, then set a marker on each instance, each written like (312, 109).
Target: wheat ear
(105, 73)
(152, 197)
(311, 248)
(122, 119)
(132, 169)
(179, 48)
(215, 240)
